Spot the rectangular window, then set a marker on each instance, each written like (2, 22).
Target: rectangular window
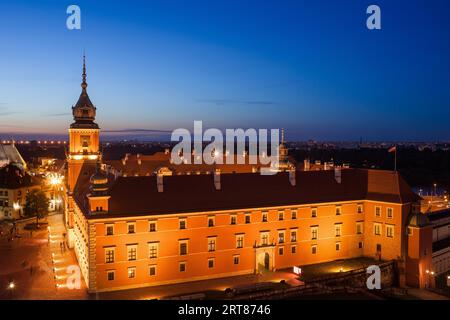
(293, 235)
(314, 249)
(360, 208)
(293, 214)
(182, 266)
(131, 272)
(182, 223)
(377, 211)
(236, 259)
(211, 244)
(210, 221)
(264, 216)
(110, 275)
(233, 219)
(239, 241)
(293, 249)
(390, 231)
(211, 263)
(410, 231)
(109, 255)
(247, 218)
(132, 252)
(131, 227)
(152, 226)
(338, 210)
(377, 229)
(264, 238)
(281, 237)
(281, 251)
(280, 215)
(359, 228)
(109, 229)
(152, 270)
(338, 229)
(314, 232)
(338, 246)
(314, 212)
(183, 248)
(390, 213)
(360, 245)
(153, 250)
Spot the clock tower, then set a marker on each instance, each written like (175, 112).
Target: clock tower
(84, 147)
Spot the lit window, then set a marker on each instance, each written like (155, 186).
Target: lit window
(233, 219)
(110, 275)
(182, 266)
(131, 252)
(338, 230)
(390, 213)
(211, 244)
(359, 228)
(152, 270)
(390, 231)
(211, 263)
(153, 250)
(182, 223)
(131, 272)
(314, 212)
(109, 255)
(314, 232)
(264, 238)
(152, 226)
(239, 241)
(377, 229)
(109, 230)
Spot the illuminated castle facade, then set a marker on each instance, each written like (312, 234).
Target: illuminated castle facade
(137, 231)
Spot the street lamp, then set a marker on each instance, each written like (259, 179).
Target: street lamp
(11, 286)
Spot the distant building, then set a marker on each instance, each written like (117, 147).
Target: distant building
(152, 229)
(15, 183)
(10, 154)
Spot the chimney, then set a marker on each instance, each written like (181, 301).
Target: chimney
(292, 179)
(159, 182)
(306, 165)
(217, 179)
(337, 174)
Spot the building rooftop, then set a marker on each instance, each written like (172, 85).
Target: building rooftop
(14, 177)
(196, 193)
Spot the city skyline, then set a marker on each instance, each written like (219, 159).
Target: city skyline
(315, 70)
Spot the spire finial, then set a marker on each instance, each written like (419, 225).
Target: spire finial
(282, 135)
(84, 83)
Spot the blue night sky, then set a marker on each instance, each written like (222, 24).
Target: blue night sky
(311, 67)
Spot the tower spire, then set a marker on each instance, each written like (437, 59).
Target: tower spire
(84, 83)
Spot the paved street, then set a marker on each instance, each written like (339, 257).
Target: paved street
(27, 263)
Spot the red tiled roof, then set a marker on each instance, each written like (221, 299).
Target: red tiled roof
(196, 193)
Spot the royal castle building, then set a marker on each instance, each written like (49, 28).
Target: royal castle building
(137, 231)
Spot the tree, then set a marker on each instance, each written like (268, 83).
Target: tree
(36, 205)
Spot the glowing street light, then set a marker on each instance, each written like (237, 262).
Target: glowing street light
(11, 285)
